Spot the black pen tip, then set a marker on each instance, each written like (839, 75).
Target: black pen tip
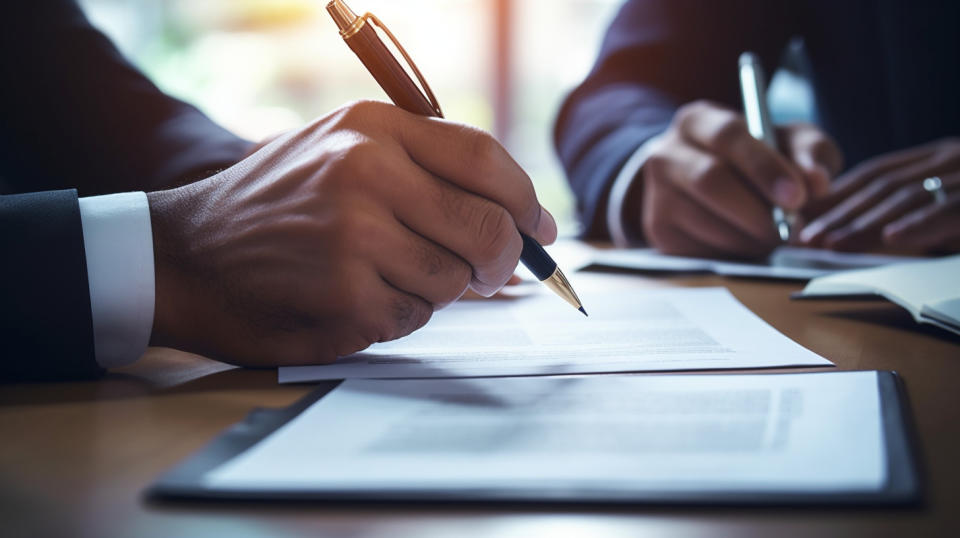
(584, 311)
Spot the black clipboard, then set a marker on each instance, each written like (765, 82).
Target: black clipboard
(903, 487)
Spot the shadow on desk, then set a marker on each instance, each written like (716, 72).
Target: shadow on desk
(893, 317)
(160, 372)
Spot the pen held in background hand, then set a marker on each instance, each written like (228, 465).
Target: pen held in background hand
(753, 89)
(403, 91)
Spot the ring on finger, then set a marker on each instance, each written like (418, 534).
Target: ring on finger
(934, 186)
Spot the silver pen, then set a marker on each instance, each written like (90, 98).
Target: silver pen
(753, 88)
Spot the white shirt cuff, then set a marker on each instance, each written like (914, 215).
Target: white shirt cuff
(118, 242)
(618, 192)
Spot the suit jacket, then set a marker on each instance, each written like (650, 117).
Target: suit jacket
(77, 119)
(884, 72)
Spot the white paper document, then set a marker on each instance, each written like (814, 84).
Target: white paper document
(793, 263)
(629, 330)
(727, 433)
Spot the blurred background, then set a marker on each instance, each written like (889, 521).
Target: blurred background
(262, 66)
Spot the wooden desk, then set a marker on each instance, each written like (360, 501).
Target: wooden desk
(75, 457)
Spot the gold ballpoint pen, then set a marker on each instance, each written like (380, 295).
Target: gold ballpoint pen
(363, 40)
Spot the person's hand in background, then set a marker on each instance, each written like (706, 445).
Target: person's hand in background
(344, 233)
(709, 186)
(882, 203)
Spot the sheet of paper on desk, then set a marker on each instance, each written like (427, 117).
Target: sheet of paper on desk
(629, 330)
(762, 432)
(792, 263)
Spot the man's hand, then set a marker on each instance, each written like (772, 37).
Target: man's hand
(709, 186)
(882, 202)
(348, 232)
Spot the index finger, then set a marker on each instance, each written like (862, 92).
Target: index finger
(474, 161)
(861, 174)
(724, 133)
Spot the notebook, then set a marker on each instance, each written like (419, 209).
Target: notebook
(929, 290)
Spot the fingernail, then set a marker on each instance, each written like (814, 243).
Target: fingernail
(547, 227)
(786, 192)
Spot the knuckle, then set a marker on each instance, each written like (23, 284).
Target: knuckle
(354, 165)
(681, 117)
(359, 111)
(483, 150)
(364, 159)
(686, 115)
(728, 132)
(689, 112)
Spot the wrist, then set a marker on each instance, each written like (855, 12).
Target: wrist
(171, 303)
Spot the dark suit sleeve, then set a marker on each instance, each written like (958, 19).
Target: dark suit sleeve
(656, 56)
(78, 115)
(46, 331)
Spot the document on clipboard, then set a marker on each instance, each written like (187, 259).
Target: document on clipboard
(822, 438)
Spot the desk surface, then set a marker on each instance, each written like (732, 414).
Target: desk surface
(75, 457)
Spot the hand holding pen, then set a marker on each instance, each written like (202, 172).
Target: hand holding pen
(302, 253)
(362, 38)
(709, 187)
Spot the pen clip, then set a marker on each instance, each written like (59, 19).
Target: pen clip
(423, 82)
